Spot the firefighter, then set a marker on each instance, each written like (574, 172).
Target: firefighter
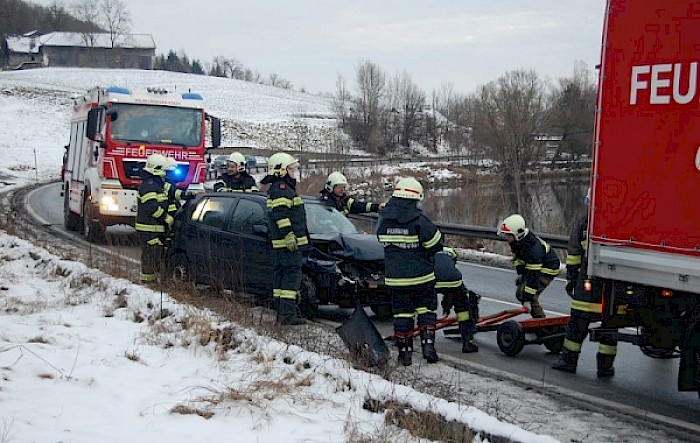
(535, 262)
(410, 242)
(288, 234)
(455, 294)
(152, 218)
(236, 179)
(333, 194)
(586, 306)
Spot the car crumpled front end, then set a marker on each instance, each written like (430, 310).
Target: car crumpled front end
(359, 259)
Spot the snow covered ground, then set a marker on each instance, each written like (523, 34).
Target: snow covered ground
(86, 357)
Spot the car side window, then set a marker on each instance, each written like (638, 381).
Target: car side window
(247, 214)
(212, 211)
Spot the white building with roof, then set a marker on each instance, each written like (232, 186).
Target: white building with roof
(130, 51)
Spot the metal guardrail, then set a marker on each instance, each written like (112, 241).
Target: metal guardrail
(481, 232)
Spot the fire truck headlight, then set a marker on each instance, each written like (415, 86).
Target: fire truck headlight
(109, 203)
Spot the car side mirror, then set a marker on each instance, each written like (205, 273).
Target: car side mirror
(260, 230)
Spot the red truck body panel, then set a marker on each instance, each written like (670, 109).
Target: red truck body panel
(646, 171)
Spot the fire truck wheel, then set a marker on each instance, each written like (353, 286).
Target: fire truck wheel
(92, 231)
(71, 220)
(510, 338)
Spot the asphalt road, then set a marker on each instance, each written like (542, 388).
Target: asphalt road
(641, 382)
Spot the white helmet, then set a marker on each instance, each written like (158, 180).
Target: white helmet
(278, 163)
(587, 198)
(334, 179)
(155, 164)
(408, 188)
(514, 225)
(170, 164)
(238, 159)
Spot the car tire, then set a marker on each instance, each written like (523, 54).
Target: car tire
(308, 298)
(179, 268)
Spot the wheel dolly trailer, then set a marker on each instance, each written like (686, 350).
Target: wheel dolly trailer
(512, 335)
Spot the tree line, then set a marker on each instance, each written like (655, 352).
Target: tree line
(507, 120)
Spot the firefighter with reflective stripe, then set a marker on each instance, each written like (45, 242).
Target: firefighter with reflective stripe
(237, 178)
(152, 218)
(535, 262)
(333, 194)
(288, 234)
(586, 306)
(410, 242)
(454, 292)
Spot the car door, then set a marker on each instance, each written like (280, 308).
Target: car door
(209, 218)
(248, 223)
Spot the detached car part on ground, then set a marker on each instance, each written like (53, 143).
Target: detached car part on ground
(221, 239)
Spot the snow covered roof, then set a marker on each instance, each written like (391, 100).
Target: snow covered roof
(31, 44)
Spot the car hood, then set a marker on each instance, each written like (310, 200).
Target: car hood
(363, 247)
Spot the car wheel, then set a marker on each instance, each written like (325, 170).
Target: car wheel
(382, 312)
(179, 268)
(510, 338)
(308, 298)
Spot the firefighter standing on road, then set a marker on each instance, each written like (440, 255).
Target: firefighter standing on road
(236, 178)
(175, 194)
(586, 306)
(333, 194)
(535, 262)
(410, 242)
(455, 293)
(152, 218)
(288, 233)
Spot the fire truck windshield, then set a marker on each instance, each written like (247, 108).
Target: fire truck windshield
(155, 124)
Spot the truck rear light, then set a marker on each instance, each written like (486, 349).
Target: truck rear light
(666, 293)
(587, 285)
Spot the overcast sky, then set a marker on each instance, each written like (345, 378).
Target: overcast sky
(308, 42)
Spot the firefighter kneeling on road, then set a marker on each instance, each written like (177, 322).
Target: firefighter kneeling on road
(535, 262)
(455, 293)
(288, 233)
(236, 178)
(152, 219)
(410, 242)
(586, 306)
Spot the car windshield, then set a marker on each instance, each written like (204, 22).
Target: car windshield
(156, 124)
(323, 219)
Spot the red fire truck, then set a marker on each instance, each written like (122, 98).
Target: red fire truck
(644, 220)
(113, 130)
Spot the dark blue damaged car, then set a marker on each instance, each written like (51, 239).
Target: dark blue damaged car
(221, 239)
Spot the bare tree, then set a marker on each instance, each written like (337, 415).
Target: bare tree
(408, 101)
(511, 113)
(115, 18)
(371, 83)
(573, 111)
(342, 100)
(88, 11)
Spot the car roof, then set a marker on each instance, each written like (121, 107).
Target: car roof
(256, 196)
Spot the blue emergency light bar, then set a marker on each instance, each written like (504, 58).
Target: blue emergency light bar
(118, 90)
(191, 96)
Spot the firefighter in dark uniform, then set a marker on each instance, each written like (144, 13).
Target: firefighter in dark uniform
(586, 306)
(237, 178)
(535, 262)
(288, 234)
(152, 218)
(333, 194)
(410, 242)
(455, 294)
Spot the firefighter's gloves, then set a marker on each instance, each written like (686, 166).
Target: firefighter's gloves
(571, 277)
(169, 220)
(450, 251)
(189, 195)
(290, 241)
(447, 302)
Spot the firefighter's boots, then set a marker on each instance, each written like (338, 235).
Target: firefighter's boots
(466, 332)
(405, 344)
(605, 365)
(427, 342)
(567, 362)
